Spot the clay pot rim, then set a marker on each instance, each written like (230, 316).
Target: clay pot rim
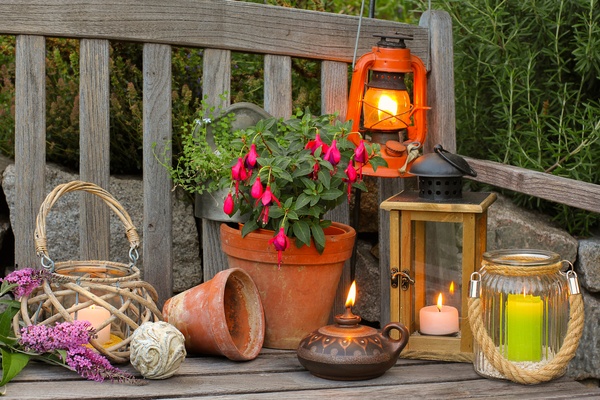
(217, 291)
(335, 250)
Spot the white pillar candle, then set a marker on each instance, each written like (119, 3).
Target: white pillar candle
(96, 315)
(438, 320)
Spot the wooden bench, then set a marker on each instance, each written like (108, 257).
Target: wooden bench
(219, 27)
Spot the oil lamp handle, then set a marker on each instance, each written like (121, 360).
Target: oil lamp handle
(404, 334)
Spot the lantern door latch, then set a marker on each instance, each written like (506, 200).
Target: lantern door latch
(405, 279)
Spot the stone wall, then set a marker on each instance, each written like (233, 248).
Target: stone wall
(62, 224)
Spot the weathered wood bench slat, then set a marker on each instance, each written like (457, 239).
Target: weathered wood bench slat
(94, 148)
(540, 184)
(158, 198)
(30, 142)
(280, 375)
(230, 25)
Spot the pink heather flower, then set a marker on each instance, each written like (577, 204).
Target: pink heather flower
(313, 145)
(27, 279)
(93, 366)
(333, 154)
(250, 159)
(360, 153)
(228, 205)
(43, 338)
(281, 242)
(257, 188)
(352, 177)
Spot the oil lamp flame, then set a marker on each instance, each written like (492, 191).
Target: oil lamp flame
(439, 303)
(351, 299)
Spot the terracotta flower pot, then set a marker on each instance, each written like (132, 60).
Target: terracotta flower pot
(298, 297)
(222, 316)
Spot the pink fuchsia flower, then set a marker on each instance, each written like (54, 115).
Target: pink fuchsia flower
(228, 205)
(333, 154)
(313, 145)
(360, 153)
(257, 189)
(238, 171)
(267, 200)
(281, 242)
(250, 159)
(239, 174)
(26, 279)
(314, 175)
(352, 177)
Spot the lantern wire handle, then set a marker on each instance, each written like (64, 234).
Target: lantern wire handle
(362, 7)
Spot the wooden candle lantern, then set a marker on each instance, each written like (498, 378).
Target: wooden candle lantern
(434, 248)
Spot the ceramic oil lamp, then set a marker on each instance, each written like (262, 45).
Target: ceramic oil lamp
(350, 351)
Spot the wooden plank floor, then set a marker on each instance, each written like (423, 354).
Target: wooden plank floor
(279, 375)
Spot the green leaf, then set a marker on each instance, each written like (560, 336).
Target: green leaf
(318, 237)
(249, 226)
(331, 194)
(325, 179)
(302, 232)
(12, 364)
(12, 308)
(303, 199)
(377, 162)
(303, 169)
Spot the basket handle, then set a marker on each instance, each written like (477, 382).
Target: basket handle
(41, 242)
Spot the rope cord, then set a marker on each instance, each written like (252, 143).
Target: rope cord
(512, 270)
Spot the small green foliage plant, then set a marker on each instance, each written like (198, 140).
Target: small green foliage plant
(202, 165)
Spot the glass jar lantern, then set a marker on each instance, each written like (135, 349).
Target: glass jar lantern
(523, 326)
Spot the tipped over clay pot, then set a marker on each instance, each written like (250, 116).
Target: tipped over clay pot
(223, 316)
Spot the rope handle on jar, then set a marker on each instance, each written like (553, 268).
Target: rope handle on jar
(41, 241)
(557, 365)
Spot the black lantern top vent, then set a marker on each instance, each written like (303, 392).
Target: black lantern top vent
(440, 174)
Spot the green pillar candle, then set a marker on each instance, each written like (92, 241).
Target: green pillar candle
(524, 316)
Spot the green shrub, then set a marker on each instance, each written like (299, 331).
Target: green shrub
(527, 77)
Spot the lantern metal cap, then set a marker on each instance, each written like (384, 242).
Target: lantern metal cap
(441, 163)
(386, 40)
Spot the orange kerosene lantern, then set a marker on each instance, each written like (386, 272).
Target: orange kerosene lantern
(380, 105)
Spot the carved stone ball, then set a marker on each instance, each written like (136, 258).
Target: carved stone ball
(157, 350)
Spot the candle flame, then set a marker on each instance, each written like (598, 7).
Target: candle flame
(439, 303)
(351, 295)
(451, 287)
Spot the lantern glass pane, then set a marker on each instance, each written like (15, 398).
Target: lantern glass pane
(438, 271)
(386, 109)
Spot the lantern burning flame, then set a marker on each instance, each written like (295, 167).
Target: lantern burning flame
(439, 303)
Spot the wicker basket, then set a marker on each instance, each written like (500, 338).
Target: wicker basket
(77, 285)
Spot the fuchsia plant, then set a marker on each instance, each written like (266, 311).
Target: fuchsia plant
(290, 173)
